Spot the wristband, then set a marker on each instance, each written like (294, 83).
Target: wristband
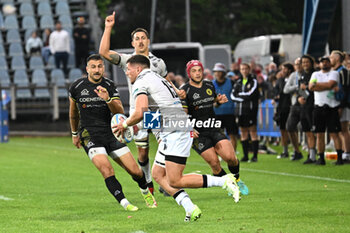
(74, 133)
(109, 100)
(125, 125)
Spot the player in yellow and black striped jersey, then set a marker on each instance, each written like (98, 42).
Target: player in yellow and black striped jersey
(93, 100)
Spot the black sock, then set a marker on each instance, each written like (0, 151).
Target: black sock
(177, 193)
(340, 155)
(205, 181)
(255, 148)
(221, 173)
(144, 163)
(141, 181)
(245, 146)
(234, 170)
(115, 188)
(321, 156)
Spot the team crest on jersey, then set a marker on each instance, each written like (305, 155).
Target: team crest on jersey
(209, 92)
(196, 96)
(84, 92)
(200, 146)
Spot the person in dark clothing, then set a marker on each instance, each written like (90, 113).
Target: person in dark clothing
(283, 106)
(301, 111)
(81, 39)
(245, 93)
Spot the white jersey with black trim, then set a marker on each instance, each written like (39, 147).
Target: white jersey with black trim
(162, 98)
(157, 65)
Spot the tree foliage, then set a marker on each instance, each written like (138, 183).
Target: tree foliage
(212, 21)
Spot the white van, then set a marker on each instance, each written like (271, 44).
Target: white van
(268, 48)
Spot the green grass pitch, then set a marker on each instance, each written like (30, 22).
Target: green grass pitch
(46, 185)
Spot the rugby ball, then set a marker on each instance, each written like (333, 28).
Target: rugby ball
(129, 131)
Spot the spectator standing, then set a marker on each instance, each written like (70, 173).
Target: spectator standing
(283, 106)
(34, 44)
(45, 51)
(325, 114)
(81, 36)
(60, 46)
(291, 88)
(337, 58)
(245, 93)
(225, 111)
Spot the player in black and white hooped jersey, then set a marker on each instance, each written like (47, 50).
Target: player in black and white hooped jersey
(93, 100)
(140, 41)
(209, 141)
(151, 91)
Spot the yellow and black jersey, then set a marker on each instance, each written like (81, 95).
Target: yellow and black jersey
(95, 116)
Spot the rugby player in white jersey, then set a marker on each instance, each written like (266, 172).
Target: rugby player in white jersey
(140, 42)
(151, 91)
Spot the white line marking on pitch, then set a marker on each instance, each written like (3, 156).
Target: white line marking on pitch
(5, 198)
(296, 175)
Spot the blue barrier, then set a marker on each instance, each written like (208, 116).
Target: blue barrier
(266, 126)
(4, 118)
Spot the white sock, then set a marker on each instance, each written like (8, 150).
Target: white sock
(144, 191)
(185, 201)
(313, 154)
(214, 181)
(346, 156)
(147, 170)
(124, 202)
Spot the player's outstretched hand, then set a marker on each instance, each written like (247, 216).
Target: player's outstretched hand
(181, 94)
(222, 99)
(109, 22)
(118, 129)
(195, 133)
(102, 92)
(76, 141)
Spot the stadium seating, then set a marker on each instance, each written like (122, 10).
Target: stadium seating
(28, 22)
(2, 50)
(51, 63)
(11, 22)
(3, 64)
(13, 35)
(36, 62)
(44, 8)
(66, 21)
(7, 1)
(46, 21)
(16, 49)
(62, 8)
(74, 74)
(1, 40)
(23, 94)
(39, 78)
(20, 78)
(57, 77)
(17, 63)
(4, 79)
(42, 93)
(28, 34)
(26, 8)
(22, 1)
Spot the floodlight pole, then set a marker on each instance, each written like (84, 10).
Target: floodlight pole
(153, 19)
(188, 21)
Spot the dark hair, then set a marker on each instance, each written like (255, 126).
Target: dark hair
(311, 58)
(139, 59)
(58, 22)
(139, 30)
(289, 66)
(94, 57)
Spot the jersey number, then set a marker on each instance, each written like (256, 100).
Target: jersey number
(170, 88)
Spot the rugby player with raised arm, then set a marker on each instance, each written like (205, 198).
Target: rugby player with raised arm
(140, 42)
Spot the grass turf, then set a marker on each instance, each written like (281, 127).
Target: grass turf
(55, 188)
